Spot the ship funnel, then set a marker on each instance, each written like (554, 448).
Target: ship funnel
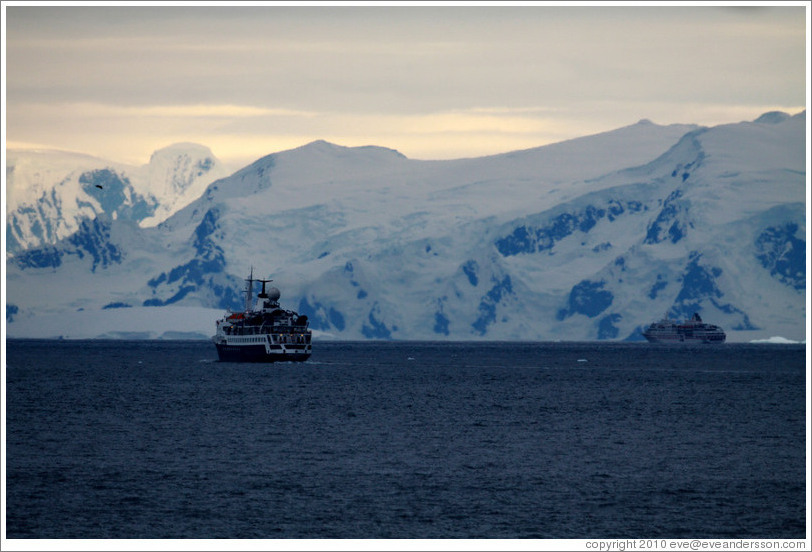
(263, 294)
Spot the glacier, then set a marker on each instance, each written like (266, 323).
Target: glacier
(50, 194)
(592, 238)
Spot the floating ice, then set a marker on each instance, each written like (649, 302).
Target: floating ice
(778, 340)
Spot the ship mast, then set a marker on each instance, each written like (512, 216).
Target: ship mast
(249, 290)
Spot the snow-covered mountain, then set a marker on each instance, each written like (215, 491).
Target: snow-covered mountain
(591, 238)
(51, 193)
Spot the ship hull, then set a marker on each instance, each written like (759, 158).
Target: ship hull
(675, 338)
(259, 353)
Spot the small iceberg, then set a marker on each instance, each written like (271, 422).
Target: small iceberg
(778, 340)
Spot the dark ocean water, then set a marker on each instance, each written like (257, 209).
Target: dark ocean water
(380, 440)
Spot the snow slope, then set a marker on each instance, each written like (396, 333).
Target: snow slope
(50, 193)
(586, 239)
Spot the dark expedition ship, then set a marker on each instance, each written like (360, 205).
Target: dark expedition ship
(264, 333)
(690, 331)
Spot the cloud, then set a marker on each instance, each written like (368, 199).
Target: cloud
(122, 112)
(433, 82)
(241, 134)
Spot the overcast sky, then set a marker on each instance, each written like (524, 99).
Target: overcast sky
(432, 82)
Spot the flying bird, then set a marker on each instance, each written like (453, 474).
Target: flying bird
(99, 186)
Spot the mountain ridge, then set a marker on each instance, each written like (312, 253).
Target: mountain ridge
(372, 245)
(51, 193)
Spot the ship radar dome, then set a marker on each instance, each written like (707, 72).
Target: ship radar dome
(274, 294)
